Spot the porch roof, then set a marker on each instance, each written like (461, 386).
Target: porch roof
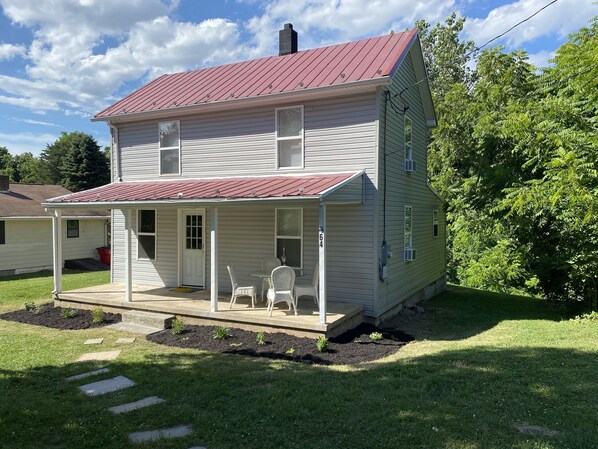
(215, 190)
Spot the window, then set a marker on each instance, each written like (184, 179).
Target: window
(435, 223)
(146, 234)
(2, 233)
(408, 228)
(289, 137)
(170, 146)
(289, 237)
(72, 229)
(407, 132)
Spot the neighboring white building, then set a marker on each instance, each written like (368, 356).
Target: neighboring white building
(26, 228)
(317, 155)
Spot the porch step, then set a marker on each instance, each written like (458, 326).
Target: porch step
(148, 319)
(135, 328)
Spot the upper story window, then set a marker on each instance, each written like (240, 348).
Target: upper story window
(408, 134)
(146, 234)
(2, 233)
(289, 237)
(72, 229)
(289, 137)
(170, 148)
(435, 223)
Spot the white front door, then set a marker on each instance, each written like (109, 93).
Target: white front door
(193, 252)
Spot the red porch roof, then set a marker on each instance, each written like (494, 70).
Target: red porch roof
(363, 60)
(245, 188)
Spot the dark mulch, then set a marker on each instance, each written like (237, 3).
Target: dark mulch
(352, 347)
(50, 316)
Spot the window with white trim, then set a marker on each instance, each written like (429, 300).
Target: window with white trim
(408, 139)
(435, 223)
(170, 148)
(72, 229)
(289, 137)
(146, 234)
(2, 233)
(408, 238)
(289, 236)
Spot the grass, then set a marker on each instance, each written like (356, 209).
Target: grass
(481, 363)
(38, 287)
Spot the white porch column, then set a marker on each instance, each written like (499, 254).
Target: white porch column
(322, 261)
(128, 257)
(214, 260)
(57, 250)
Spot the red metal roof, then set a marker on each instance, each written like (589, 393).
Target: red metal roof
(208, 189)
(367, 59)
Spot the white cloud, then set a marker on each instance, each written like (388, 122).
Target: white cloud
(560, 19)
(541, 58)
(9, 51)
(18, 143)
(33, 122)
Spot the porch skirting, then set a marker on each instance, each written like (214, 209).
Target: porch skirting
(195, 308)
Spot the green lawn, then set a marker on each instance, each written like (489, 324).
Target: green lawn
(38, 286)
(481, 363)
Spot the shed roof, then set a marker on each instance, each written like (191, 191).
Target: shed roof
(210, 190)
(25, 200)
(344, 64)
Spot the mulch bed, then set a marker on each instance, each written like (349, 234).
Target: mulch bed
(352, 347)
(50, 316)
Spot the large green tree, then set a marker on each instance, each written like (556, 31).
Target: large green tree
(84, 166)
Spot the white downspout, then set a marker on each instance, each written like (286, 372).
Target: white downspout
(115, 144)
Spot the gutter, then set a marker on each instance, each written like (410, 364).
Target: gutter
(116, 140)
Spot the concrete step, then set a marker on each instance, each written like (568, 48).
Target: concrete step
(135, 328)
(149, 319)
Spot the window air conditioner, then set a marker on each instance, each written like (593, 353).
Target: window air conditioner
(409, 254)
(410, 165)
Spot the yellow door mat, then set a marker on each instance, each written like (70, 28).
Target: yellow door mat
(184, 290)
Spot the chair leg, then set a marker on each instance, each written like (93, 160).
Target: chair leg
(294, 305)
(253, 299)
(232, 300)
(270, 307)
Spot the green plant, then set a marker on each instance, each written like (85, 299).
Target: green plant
(177, 326)
(261, 338)
(322, 343)
(376, 336)
(97, 315)
(585, 317)
(290, 351)
(68, 313)
(221, 333)
(31, 307)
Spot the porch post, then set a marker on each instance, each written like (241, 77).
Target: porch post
(128, 257)
(322, 262)
(57, 250)
(214, 260)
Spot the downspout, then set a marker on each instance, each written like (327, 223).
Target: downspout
(116, 152)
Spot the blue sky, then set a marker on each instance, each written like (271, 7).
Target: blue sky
(61, 61)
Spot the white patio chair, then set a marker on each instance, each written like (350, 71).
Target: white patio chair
(268, 264)
(238, 290)
(309, 290)
(281, 290)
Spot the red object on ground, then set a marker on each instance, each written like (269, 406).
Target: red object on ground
(104, 252)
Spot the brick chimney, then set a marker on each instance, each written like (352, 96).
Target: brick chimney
(287, 40)
(4, 182)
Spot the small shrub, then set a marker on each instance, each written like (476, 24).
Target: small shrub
(68, 313)
(31, 307)
(357, 340)
(585, 317)
(290, 351)
(98, 316)
(322, 343)
(376, 336)
(221, 333)
(261, 338)
(178, 326)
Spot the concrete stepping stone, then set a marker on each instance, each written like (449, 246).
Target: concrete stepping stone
(123, 340)
(88, 374)
(94, 341)
(106, 355)
(130, 406)
(153, 435)
(135, 328)
(536, 430)
(106, 386)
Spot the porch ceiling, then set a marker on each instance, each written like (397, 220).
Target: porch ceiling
(216, 191)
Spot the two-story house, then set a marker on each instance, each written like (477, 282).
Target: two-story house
(317, 157)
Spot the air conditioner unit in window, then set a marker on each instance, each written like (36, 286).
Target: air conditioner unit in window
(409, 254)
(410, 165)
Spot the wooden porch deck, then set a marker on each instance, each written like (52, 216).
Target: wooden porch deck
(194, 307)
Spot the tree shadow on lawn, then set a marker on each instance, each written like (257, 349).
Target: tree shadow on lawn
(462, 312)
(454, 399)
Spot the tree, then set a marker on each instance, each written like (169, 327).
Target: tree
(5, 161)
(26, 168)
(84, 166)
(51, 159)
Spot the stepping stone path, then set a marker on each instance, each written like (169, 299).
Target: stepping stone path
(106, 355)
(129, 407)
(88, 374)
(536, 430)
(125, 340)
(94, 341)
(153, 435)
(106, 386)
